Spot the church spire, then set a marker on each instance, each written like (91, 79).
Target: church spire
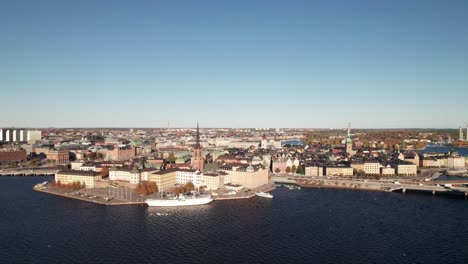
(349, 129)
(197, 143)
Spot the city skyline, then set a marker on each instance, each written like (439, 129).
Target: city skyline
(260, 64)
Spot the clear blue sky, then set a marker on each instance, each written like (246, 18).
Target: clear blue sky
(234, 63)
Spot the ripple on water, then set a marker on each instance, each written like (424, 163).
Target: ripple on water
(297, 226)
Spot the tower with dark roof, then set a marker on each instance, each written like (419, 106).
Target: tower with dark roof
(197, 157)
(349, 141)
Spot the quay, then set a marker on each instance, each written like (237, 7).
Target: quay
(245, 195)
(101, 195)
(85, 196)
(30, 172)
(458, 187)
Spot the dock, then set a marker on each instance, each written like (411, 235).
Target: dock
(29, 172)
(83, 196)
(458, 187)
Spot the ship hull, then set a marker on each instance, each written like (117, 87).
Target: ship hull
(178, 202)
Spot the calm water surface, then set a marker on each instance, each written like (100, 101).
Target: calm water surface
(297, 226)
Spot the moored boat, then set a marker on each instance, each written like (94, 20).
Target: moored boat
(264, 194)
(181, 200)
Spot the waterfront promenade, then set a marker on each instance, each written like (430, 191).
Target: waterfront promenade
(126, 196)
(29, 171)
(459, 187)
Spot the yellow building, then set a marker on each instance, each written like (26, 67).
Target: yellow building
(388, 171)
(88, 178)
(372, 167)
(164, 179)
(213, 181)
(359, 166)
(405, 168)
(248, 177)
(339, 171)
(313, 171)
(430, 162)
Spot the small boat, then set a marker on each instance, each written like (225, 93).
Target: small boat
(181, 200)
(264, 194)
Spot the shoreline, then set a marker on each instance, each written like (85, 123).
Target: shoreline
(89, 200)
(113, 201)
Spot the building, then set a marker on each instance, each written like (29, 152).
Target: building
(76, 165)
(164, 179)
(451, 161)
(430, 162)
(13, 135)
(404, 168)
(248, 177)
(19, 135)
(193, 176)
(34, 135)
(455, 162)
(128, 175)
(388, 171)
(121, 153)
(88, 178)
(372, 167)
(412, 158)
(15, 155)
(197, 157)
(313, 171)
(58, 156)
(338, 171)
(349, 142)
(213, 181)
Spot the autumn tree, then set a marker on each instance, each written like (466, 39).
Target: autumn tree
(146, 187)
(277, 170)
(91, 156)
(105, 171)
(171, 157)
(189, 187)
(293, 168)
(288, 169)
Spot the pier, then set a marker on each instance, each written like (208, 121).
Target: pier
(458, 187)
(29, 172)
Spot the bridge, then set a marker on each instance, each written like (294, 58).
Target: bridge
(456, 190)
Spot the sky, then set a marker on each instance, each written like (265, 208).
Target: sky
(268, 64)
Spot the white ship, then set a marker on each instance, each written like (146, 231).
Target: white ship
(181, 200)
(264, 194)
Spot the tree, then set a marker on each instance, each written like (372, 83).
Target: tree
(146, 187)
(288, 169)
(171, 157)
(359, 173)
(277, 170)
(293, 168)
(105, 171)
(300, 169)
(189, 187)
(91, 155)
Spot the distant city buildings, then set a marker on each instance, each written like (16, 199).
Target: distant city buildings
(12, 155)
(461, 138)
(13, 135)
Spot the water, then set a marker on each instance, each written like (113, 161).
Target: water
(297, 226)
(293, 142)
(437, 149)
